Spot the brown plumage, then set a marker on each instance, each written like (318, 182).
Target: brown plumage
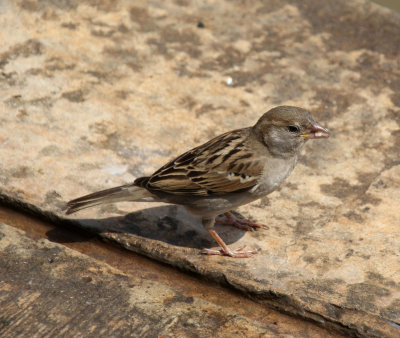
(230, 170)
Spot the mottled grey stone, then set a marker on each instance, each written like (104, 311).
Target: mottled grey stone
(47, 289)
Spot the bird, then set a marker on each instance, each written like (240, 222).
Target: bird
(230, 170)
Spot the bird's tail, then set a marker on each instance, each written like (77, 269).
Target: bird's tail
(128, 192)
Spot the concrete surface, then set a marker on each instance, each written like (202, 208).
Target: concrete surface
(95, 94)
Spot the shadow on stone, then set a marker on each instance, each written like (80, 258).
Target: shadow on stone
(169, 224)
(65, 235)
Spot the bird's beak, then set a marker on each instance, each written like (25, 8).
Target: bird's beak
(316, 131)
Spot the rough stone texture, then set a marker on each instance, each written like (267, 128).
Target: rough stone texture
(47, 289)
(95, 94)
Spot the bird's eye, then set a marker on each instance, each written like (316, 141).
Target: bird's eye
(293, 129)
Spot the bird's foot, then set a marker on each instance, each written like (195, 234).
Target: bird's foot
(235, 253)
(244, 224)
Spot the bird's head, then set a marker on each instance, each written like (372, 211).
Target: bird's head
(285, 129)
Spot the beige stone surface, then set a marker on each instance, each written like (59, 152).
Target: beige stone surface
(49, 290)
(96, 93)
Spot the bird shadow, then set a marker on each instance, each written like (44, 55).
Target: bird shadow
(170, 224)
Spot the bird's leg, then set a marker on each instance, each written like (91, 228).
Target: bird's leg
(244, 224)
(224, 251)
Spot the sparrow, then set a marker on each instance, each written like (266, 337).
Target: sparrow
(228, 171)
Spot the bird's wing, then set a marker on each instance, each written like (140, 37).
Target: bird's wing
(223, 165)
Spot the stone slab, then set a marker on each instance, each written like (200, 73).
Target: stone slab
(47, 289)
(95, 94)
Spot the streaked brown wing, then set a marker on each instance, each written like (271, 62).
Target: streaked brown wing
(220, 166)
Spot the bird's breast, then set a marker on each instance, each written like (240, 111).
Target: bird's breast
(275, 172)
